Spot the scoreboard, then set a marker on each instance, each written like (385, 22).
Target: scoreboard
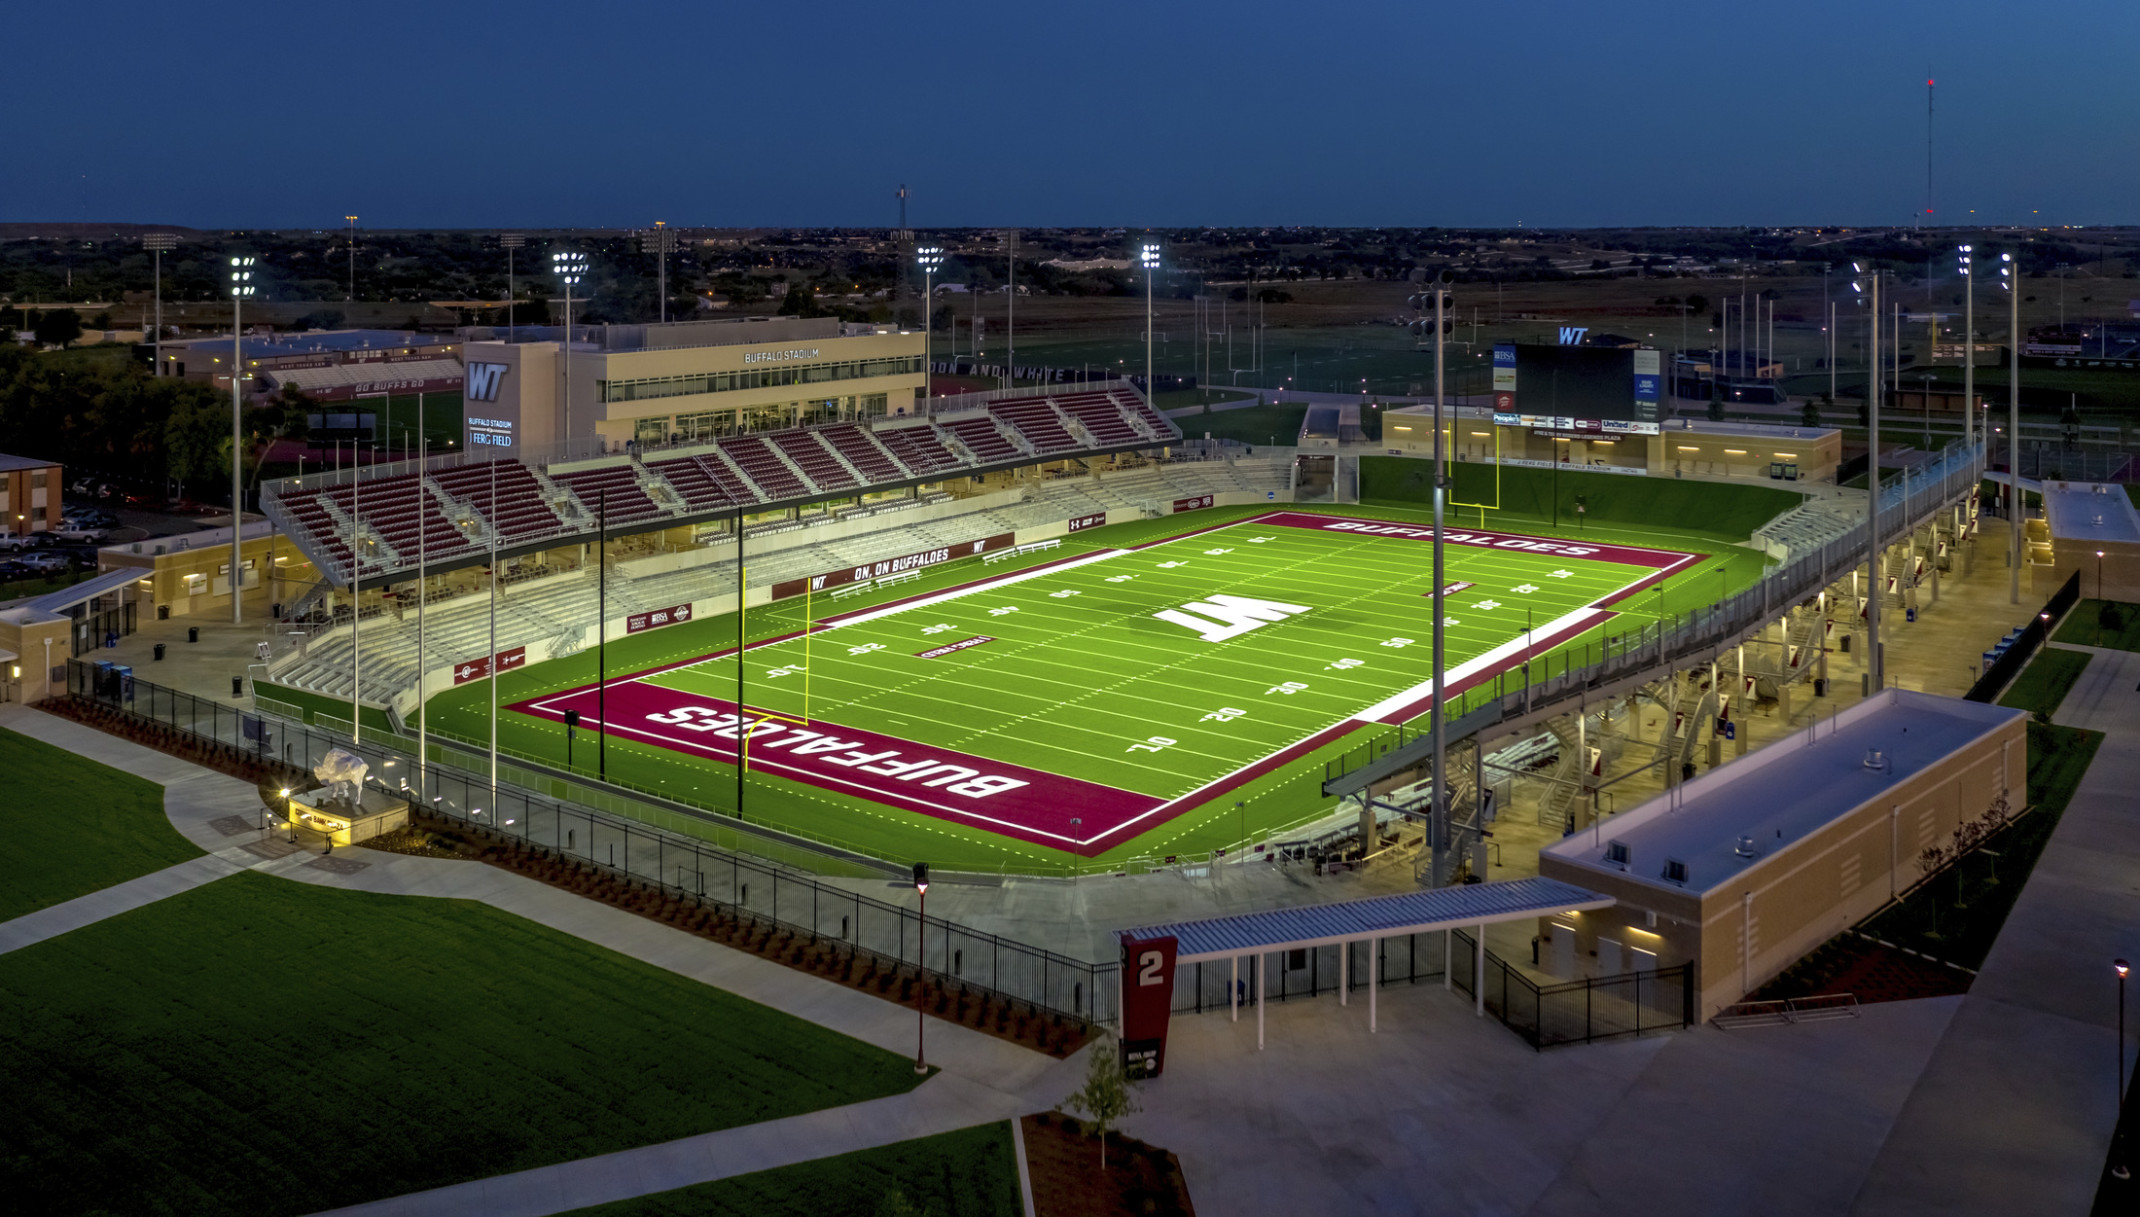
(1603, 390)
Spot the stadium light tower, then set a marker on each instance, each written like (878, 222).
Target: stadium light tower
(1148, 256)
(509, 241)
(1442, 301)
(1876, 575)
(659, 242)
(241, 286)
(1969, 349)
(352, 258)
(570, 267)
(158, 243)
(930, 258)
(2013, 424)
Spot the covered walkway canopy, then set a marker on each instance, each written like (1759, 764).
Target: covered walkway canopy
(1284, 929)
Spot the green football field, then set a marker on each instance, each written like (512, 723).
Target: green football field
(1191, 744)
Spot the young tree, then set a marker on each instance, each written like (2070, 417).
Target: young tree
(57, 327)
(1810, 413)
(1105, 1097)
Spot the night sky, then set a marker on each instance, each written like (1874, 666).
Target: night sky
(1650, 112)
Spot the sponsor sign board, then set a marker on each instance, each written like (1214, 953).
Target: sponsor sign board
(1202, 500)
(479, 669)
(952, 648)
(1092, 521)
(674, 614)
(893, 566)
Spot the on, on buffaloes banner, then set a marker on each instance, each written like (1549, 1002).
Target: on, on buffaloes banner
(1147, 1000)
(479, 669)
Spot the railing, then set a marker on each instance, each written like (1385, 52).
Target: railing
(750, 886)
(2002, 671)
(1529, 687)
(1577, 1011)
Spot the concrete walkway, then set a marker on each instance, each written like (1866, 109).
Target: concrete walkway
(2015, 1110)
(125, 897)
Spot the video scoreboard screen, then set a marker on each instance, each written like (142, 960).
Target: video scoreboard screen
(1605, 390)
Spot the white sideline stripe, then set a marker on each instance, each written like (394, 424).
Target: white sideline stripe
(1507, 649)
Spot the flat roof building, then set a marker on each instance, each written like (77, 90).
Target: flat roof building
(209, 359)
(29, 494)
(2095, 533)
(1784, 848)
(683, 380)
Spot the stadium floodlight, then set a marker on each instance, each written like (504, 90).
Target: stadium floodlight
(2013, 427)
(660, 242)
(570, 266)
(241, 287)
(159, 243)
(1875, 589)
(1969, 345)
(1148, 257)
(352, 257)
(930, 258)
(509, 241)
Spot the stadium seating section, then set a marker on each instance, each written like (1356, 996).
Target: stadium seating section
(452, 511)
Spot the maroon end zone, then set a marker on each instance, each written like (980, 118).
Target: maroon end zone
(1010, 799)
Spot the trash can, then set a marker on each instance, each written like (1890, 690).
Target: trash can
(237, 686)
(159, 650)
(1820, 686)
(193, 633)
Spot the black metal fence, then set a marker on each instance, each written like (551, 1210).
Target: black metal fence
(1577, 1011)
(2008, 665)
(680, 864)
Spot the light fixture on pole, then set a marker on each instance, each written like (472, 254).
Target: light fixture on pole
(1969, 347)
(930, 258)
(352, 257)
(570, 267)
(241, 286)
(509, 241)
(2118, 1169)
(659, 242)
(2013, 426)
(159, 243)
(1875, 572)
(921, 955)
(1148, 257)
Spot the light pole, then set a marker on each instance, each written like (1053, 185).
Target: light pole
(1876, 576)
(352, 258)
(659, 242)
(570, 267)
(1148, 257)
(157, 243)
(1440, 706)
(241, 286)
(930, 258)
(2118, 1169)
(509, 241)
(921, 954)
(1969, 346)
(2013, 425)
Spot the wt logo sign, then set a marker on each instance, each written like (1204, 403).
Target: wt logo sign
(1572, 335)
(481, 380)
(1235, 616)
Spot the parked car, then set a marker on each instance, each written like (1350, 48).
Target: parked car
(86, 536)
(48, 563)
(12, 570)
(19, 542)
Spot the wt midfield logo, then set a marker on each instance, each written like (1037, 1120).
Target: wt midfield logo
(1236, 615)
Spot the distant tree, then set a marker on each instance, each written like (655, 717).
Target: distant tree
(894, 1203)
(1697, 303)
(197, 437)
(1809, 415)
(1716, 409)
(102, 321)
(1105, 1097)
(57, 327)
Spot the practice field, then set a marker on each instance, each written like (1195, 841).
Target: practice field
(1082, 703)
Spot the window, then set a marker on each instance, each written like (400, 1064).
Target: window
(651, 430)
(765, 378)
(37, 480)
(1296, 959)
(705, 424)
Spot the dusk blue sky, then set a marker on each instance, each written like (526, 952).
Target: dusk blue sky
(1644, 112)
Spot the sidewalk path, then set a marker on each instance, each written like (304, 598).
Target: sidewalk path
(125, 897)
(2015, 1111)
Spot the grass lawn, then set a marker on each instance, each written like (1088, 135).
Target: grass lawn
(2084, 627)
(22, 589)
(1957, 915)
(263, 1046)
(969, 1173)
(73, 826)
(2045, 682)
(1256, 426)
(1201, 396)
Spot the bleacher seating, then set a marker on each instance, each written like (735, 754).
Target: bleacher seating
(404, 515)
(919, 447)
(1101, 417)
(1035, 419)
(854, 443)
(980, 435)
(701, 492)
(764, 468)
(614, 490)
(516, 511)
(813, 458)
(1132, 403)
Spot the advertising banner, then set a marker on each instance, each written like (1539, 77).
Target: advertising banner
(892, 566)
(1202, 500)
(672, 615)
(479, 669)
(1147, 999)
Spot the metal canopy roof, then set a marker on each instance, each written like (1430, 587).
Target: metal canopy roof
(85, 591)
(1375, 917)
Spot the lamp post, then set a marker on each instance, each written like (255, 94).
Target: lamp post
(2118, 1168)
(241, 286)
(157, 243)
(352, 258)
(921, 954)
(570, 267)
(509, 241)
(930, 258)
(1875, 577)
(1148, 257)
(2013, 425)
(1969, 346)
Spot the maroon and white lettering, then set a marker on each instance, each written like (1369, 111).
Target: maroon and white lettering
(953, 647)
(479, 669)
(1082, 523)
(893, 566)
(1202, 500)
(1626, 555)
(675, 614)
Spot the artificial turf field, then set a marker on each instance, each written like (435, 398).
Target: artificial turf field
(1070, 686)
